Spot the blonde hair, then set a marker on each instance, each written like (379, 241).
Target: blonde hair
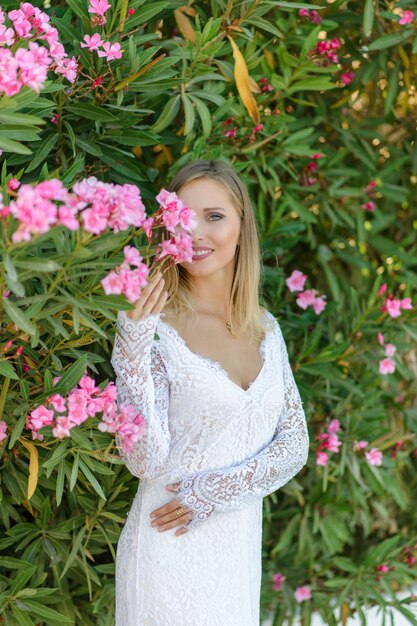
(244, 311)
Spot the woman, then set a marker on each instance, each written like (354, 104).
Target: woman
(225, 420)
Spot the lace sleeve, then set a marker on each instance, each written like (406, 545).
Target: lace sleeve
(141, 380)
(236, 487)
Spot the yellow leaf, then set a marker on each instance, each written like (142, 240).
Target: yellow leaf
(254, 87)
(243, 84)
(33, 466)
(344, 614)
(184, 25)
(270, 59)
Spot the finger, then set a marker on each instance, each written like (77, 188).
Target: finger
(167, 508)
(181, 531)
(153, 298)
(138, 311)
(179, 521)
(162, 301)
(169, 517)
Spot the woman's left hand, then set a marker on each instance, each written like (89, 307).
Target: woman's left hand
(166, 516)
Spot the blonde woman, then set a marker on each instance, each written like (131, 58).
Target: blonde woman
(226, 425)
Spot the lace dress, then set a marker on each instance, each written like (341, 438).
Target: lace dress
(229, 447)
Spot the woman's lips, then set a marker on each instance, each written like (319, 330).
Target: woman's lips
(197, 257)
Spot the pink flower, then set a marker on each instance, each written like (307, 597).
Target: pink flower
(111, 51)
(407, 17)
(390, 349)
(302, 593)
(92, 43)
(387, 366)
(13, 184)
(347, 77)
(333, 443)
(322, 458)
(132, 256)
(382, 568)
(380, 339)
(360, 445)
(99, 7)
(319, 304)
(58, 402)
(374, 457)
(392, 306)
(405, 303)
(369, 206)
(334, 426)
(112, 283)
(278, 580)
(296, 281)
(147, 226)
(382, 289)
(231, 133)
(3, 430)
(62, 427)
(306, 298)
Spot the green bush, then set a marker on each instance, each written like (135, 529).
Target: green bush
(236, 81)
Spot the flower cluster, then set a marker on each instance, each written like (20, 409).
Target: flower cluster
(28, 66)
(369, 205)
(179, 220)
(98, 8)
(109, 50)
(347, 77)
(306, 298)
(373, 456)
(393, 305)
(124, 279)
(100, 205)
(387, 365)
(328, 441)
(85, 401)
(312, 166)
(407, 17)
(312, 16)
(300, 594)
(326, 50)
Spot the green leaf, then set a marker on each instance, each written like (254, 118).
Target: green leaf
(387, 41)
(19, 317)
(169, 112)
(368, 17)
(92, 479)
(9, 117)
(43, 152)
(9, 145)
(7, 369)
(312, 84)
(189, 113)
(204, 114)
(91, 112)
(37, 265)
(49, 614)
(59, 487)
(72, 376)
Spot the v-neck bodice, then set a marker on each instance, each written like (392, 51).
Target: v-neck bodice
(175, 335)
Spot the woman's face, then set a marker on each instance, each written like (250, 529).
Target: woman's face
(218, 226)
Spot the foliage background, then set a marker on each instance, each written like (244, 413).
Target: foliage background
(166, 102)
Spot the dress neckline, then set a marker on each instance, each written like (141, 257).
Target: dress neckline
(215, 364)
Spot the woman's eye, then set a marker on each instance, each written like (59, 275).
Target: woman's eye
(216, 215)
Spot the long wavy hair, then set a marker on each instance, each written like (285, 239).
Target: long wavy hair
(244, 312)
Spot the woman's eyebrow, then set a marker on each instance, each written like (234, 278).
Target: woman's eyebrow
(214, 208)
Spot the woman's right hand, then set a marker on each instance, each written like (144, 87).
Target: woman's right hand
(152, 299)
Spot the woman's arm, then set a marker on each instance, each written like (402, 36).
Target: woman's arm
(141, 380)
(236, 487)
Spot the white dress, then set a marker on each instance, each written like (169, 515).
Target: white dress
(229, 447)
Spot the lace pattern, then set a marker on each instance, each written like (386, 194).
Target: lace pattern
(233, 488)
(141, 380)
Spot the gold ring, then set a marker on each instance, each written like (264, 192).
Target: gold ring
(179, 512)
